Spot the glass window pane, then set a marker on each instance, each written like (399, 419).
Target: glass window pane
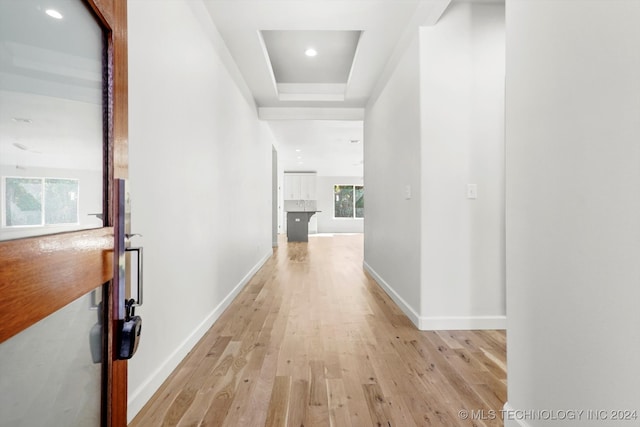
(50, 373)
(51, 116)
(359, 201)
(23, 202)
(343, 203)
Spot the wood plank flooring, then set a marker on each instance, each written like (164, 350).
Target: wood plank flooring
(313, 341)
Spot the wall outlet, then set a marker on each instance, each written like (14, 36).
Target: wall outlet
(407, 192)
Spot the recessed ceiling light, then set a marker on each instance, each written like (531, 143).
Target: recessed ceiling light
(311, 52)
(53, 13)
(298, 150)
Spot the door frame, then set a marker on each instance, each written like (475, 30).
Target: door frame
(40, 275)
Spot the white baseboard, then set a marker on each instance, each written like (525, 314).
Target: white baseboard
(406, 308)
(438, 323)
(140, 396)
(457, 323)
(512, 422)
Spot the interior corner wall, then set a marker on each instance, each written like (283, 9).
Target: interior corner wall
(573, 222)
(462, 116)
(325, 197)
(274, 196)
(391, 171)
(282, 215)
(200, 173)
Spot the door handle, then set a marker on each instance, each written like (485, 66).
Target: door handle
(132, 325)
(135, 272)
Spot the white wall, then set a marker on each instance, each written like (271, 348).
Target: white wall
(325, 198)
(391, 163)
(462, 61)
(437, 126)
(200, 171)
(573, 235)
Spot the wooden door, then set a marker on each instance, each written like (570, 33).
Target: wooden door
(41, 275)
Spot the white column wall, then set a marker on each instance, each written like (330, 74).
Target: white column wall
(462, 117)
(437, 126)
(573, 208)
(391, 164)
(200, 172)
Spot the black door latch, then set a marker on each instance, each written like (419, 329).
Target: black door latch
(130, 334)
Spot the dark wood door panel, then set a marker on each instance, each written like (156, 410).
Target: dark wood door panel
(38, 276)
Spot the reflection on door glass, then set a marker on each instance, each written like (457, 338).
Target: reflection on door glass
(60, 201)
(23, 202)
(51, 118)
(359, 201)
(27, 205)
(50, 373)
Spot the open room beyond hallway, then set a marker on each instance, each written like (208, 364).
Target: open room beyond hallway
(312, 340)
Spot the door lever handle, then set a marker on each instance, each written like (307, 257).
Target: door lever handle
(132, 324)
(136, 271)
(129, 235)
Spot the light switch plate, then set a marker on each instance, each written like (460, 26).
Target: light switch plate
(472, 191)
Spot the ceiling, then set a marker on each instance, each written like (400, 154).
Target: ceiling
(329, 147)
(356, 43)
(302, 97)
(337, 51)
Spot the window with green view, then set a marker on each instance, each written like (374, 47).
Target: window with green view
(348, 201)
(40, 201)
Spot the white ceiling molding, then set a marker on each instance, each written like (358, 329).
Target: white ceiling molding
(208, 26)
(320, 88)
(265, 54)
(377, 24)
(306, 113)
(326, 97)
(427, 15)
(311, 91)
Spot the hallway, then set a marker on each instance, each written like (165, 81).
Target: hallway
(313, 341)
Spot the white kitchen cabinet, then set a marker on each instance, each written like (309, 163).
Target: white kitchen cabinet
(300, 186)
(308, 187)
(292, 186)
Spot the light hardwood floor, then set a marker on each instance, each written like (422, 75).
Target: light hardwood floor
(313, 341)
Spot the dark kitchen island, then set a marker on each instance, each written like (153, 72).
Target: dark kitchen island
(298, 225)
